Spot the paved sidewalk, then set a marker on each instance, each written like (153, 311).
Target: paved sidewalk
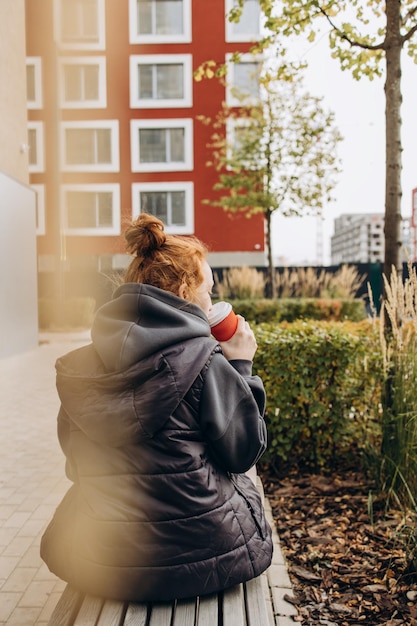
(32, 482)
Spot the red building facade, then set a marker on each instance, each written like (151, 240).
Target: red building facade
(114, 124)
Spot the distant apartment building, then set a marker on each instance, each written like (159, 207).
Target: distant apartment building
(114, 124)
(359, 238)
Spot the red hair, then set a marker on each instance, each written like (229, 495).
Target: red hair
(161, 260)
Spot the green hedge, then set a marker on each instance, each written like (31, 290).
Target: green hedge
(323, 384)
(69, 313)
(292, 309)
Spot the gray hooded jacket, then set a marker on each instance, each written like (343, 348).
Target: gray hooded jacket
(157, 428)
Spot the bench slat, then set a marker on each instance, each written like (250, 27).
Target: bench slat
(89, 612)
(136, 615)
(233, 607)
(268, 599)
(185, 613)
(161, 614)
(112, 613)
(208, 611)
(67, 608)
(256, 612)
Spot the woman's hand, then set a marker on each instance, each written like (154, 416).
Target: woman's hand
(243, 343)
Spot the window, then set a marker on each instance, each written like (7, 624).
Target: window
(173, 203)
(160, 21)
(82, 82)
(248, 27)
(243, 80)
(80, 24)
(162, 145)
(240, 133)
(36, 147)
(90, 146)
(161, 80)
(91, 209)
(40, 209)
(34, 82)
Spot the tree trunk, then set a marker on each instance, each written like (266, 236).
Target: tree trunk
(393, 148)
(270, 284)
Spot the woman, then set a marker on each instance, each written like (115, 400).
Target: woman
(158, 423)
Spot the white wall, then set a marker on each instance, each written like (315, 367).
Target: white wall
(18, 271)
(13, 109)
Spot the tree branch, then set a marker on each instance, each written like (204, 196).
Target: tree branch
(409, 15)
(410, 33)
(352, 42)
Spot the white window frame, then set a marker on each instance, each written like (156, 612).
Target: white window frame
(40, 209)
(187, 187)
(112, 125)
(184, 37)
(239, 37)
(80, 45)
(163, 166)
(39, 165)
(115, 229)
(101, 101)
(161, 59)
(36, 63)
(231, 125)
(231, 100)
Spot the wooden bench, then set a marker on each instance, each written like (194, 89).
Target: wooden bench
(243, 605)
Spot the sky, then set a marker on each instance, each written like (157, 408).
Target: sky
(359, 108)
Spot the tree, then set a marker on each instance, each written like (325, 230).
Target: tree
(360, 47)
(278, 154)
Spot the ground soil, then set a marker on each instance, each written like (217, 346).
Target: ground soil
(345, 559)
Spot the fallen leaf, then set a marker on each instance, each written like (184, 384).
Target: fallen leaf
(306, 574)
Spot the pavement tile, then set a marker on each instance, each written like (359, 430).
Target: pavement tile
(9, 601)
(6, 536)
(18, 546)
(49, 606)
(30, 504)
(283, 620)
(19, 579)
(16, 497)
(23, 617)
(43, 573)
(278, 576)
(7, 565)
(282, 606)
(16, 519)
(31, 558)
(6, 494)
(278, 557)
(6, 511)
(44, 511)
(37, 593)
(59, 586)
(31, 528)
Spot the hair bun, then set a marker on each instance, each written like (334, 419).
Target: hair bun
(145, 235)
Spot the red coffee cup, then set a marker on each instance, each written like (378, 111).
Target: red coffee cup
(223, 321)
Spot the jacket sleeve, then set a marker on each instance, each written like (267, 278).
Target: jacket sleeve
(231, 413)
(63, 438)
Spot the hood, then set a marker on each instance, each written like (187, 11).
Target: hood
(123, 387)
(124, 330)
